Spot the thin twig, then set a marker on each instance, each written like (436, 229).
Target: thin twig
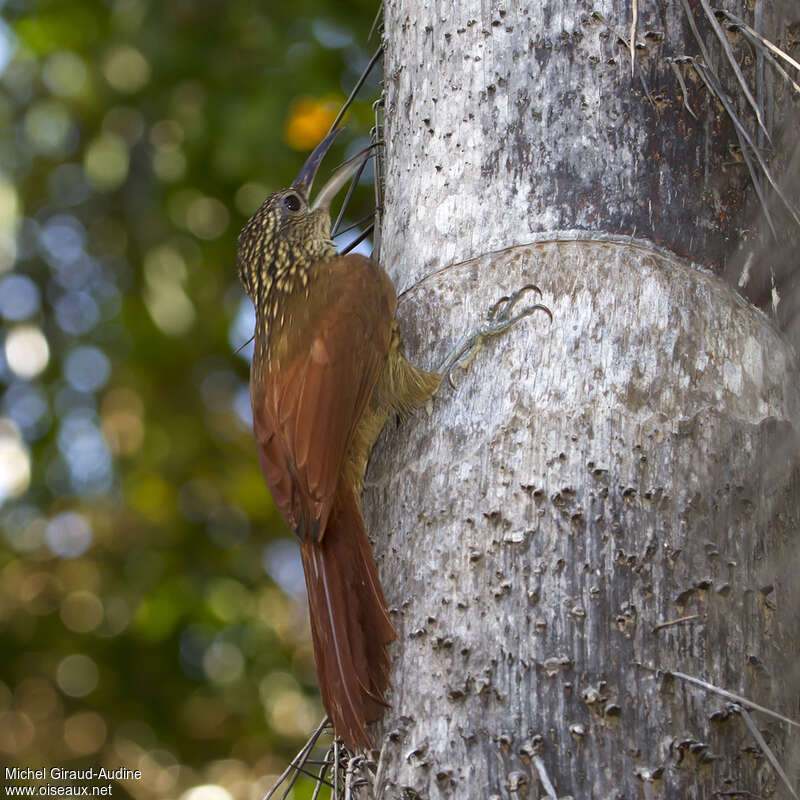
(242, 346)
(737, 698)
(348, 780)
(377, 174)
(336, 768)
(646, 88)
(300, 758)
(375, 21)
(748, 720)
(359, 84)
(675, 622)
(348, 197)
(634, 24)
(321, 778)
(726, 46)
(357, 224)
(357, 241)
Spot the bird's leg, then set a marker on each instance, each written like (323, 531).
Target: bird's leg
(500, 317)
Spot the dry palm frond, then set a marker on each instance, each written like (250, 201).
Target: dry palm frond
(710, 687)
(764, 46)
(741, 134)
(698, 38)
(748, 720)
(726, 46)
(712, 83)
(766, 42)
(756, 182)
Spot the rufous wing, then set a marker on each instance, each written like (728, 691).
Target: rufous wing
(323, 361)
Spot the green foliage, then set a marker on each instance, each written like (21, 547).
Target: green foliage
(150, 611)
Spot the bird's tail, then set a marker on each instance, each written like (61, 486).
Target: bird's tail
(349, 622)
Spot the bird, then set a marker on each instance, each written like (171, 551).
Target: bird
(328, 371)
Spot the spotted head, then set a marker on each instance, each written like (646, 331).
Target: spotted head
(289, 233)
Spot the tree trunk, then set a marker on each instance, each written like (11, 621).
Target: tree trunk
(605, 500)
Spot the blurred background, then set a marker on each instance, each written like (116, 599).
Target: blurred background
(152, 606)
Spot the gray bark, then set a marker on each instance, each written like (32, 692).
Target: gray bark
(630, 465)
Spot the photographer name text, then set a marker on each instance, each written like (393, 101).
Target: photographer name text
(63, 774)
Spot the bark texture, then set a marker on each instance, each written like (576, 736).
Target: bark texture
(507, 119)
(630, 465)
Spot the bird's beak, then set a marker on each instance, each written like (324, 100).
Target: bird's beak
(340, 178)
(305, 177)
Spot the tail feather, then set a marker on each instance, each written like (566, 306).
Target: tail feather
(350, 625)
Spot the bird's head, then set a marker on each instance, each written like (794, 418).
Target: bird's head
(289, 232)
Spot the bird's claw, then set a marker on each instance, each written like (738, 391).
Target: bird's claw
(499, 319)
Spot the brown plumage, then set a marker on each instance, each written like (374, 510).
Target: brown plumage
(327, 372)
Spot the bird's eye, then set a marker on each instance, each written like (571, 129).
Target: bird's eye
(292, 202)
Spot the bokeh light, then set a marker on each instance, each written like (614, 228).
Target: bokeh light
(63, 238)
(207, 792)
(284, 704)
(126, 69)
(241, 329)
(122, 421)
(77, 675)
(76, 312)
(165, 297)
(50, 129)
(223, 662)
(19, 297)
(81, 611)
(309, 120)
(106, 162)
(207, 218)
(68, 535)
(65, 73)
(86, 369)
(26, 405)
(7, 45)
(15, 461)
(281, 560)
(85, 732)
(85, 451)
(26, 350)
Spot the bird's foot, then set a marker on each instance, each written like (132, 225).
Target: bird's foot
(500, 317)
